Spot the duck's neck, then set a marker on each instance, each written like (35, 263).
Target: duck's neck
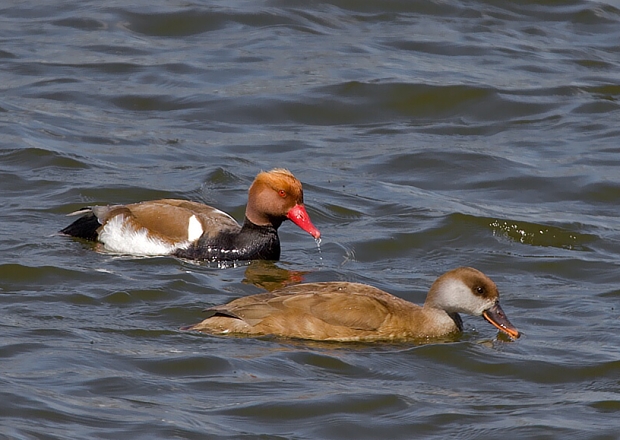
(457, 320)
(258, 218)
(441, 322)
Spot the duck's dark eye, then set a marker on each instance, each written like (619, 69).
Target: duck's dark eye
(479, 290)
(282, 193)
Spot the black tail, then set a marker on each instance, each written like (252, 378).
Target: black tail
(84, 227)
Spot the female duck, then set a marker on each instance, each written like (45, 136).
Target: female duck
(342, 311)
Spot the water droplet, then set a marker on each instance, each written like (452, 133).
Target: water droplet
(318, 245)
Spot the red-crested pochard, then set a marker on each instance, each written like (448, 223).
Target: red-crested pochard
(196, 231)
(343, 311)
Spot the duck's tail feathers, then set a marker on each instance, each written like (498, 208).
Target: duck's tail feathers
(84, 227)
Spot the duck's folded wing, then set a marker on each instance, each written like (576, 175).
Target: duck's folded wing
(352, 311)
(178, 220)
(339, 307)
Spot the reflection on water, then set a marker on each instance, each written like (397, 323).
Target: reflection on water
(270, 276)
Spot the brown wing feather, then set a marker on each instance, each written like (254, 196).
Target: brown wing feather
(169, 218)
(318, 308)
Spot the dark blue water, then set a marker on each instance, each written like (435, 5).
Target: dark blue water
(428, 135)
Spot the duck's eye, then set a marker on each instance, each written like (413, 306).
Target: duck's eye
(282, 193)
(479, 290)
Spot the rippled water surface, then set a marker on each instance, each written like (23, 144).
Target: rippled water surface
(428, 135)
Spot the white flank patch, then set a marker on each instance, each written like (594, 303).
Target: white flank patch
(118, 236)
(194, 229)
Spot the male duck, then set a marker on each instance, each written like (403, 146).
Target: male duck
(196, 231)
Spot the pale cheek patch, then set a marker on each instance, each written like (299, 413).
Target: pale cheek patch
(121, 237)
(194, 229)
(457, 297)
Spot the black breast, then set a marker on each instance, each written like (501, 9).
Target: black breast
(252, 242)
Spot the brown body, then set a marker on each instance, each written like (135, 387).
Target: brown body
(342, 311)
